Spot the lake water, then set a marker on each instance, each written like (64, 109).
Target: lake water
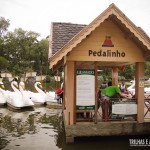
(42, 129)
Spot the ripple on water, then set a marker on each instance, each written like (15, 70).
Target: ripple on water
(18, 129)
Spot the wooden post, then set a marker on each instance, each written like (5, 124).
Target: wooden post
(96, 102)
(64, 105)
(115, 76)
(75, 113)
(69, 91)
(57, 80)
(140, 91)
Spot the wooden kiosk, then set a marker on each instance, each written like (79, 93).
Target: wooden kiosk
(111, 40)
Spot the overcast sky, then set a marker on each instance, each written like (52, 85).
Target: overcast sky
(37, 15)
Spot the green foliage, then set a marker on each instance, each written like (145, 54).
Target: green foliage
(23, 51)
(3, 63)
(147, 69)
(48, 78)
(128, 73)
(121, 78)
(104, 74)
(4, 24)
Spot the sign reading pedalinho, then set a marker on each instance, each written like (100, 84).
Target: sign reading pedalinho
(85, 89)
(106, 53)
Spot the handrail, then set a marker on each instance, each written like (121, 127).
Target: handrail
(147, 105)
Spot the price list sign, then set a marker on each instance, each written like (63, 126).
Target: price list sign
(85, 89)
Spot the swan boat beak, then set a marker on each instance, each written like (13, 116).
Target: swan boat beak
(16, 85)
(3, 86)
(40, 85)
(23, 87)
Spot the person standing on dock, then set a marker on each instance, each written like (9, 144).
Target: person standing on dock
(110, 82)
(110, 92)
(123, 87)
(103, 85)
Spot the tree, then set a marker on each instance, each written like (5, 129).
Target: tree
(4, 24)
(20, 47)
(20, 50)
(147, 69)
(3, 63)
(43, 55)
(129, 72)
(24, 51)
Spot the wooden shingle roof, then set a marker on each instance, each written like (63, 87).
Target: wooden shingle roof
(62, 33)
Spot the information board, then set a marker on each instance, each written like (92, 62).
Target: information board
(85, 89)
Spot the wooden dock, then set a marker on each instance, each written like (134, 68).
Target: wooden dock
(110, 128)
(117, 128)
(54, 105)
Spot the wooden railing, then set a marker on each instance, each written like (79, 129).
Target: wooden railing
(104, 112)
(147, 107)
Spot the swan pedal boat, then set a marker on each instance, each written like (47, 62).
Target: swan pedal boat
(38, 98)
(3, 95)
(42, 97)
(131, 89)
(50, 98)
(18, 99)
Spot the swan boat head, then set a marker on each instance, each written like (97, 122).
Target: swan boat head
(2, 85)
(14, 86)
(3, 94)
(38, 86)
(21, 86)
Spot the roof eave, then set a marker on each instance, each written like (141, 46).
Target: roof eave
(112, 9)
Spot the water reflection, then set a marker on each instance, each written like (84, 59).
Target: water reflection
(43, 129)
(17, 126)
(57, 124)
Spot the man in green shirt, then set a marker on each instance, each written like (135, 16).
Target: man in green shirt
(111, 92)
(108, 93)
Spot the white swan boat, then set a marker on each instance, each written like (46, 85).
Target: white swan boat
(3, 94)
(25, 98)
(18, 99)
(50, 98)
(131, 88)
(39, 97)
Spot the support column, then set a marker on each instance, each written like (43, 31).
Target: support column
(139, 87)
(115, 76)
(69, 93)
(96, 91)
